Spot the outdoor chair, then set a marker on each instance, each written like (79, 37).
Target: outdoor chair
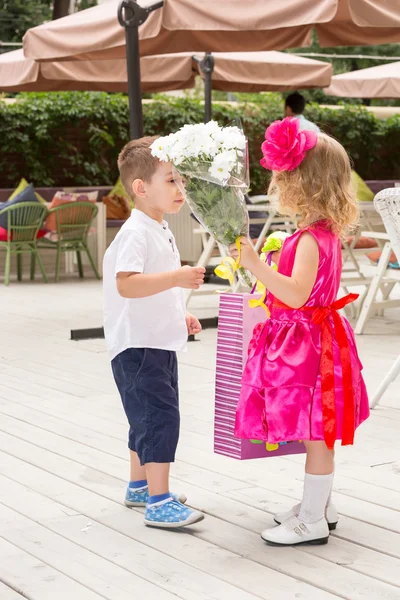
(73, 223)
(23, 223)
(384, 279)
(356, 272)
(387, 203)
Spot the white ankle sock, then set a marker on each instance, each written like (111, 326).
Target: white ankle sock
(317, 489)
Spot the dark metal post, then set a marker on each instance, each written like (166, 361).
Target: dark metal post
(206, 65)
(131, 16)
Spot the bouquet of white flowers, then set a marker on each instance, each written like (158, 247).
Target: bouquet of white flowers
(211, 169)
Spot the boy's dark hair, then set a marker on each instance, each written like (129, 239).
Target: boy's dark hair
(296, 102)
(135, 161)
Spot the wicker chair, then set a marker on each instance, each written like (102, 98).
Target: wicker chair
(23, 223)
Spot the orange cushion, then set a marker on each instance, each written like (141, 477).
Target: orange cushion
(61, 198)
(375, 256)
(363, 242)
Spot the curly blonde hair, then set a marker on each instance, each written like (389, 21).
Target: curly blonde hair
(319, 188)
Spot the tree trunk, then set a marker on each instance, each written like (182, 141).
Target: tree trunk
(60, 8)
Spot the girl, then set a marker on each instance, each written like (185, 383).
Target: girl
(302, 380)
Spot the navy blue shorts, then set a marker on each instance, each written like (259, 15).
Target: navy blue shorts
(147, 381)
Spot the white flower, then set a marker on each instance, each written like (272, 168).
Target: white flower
(212, 127)
(227, 156)
(162, 146)
(158, 149)
(220, 172)
(232, 138)
(196, 143)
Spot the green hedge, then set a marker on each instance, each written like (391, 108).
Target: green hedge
(69, 139)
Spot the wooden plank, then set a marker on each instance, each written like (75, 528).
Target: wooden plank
(72, 431)
(357, 466)
(350, 506)
(7, 593)
(231, 533)
(227, 565)
(83, 477)
(83, 566)
(74, 411)
(107, 555)
(120, 431)
(12, 387)
(344, 485)
(35, 580)
(193, 421)
(99, 379)
(50, 382)
(116, 464)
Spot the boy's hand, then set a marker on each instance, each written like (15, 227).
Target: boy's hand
(248, 256)
(193, 324)
(190, 278)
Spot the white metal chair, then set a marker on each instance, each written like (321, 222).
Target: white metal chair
(387, 203)
(354, 273)
(383, 279)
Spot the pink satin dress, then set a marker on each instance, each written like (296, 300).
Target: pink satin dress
(303, 380)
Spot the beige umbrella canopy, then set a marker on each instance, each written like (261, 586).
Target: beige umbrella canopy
(233, 71)
(361, 23)
(147, 27)
(159, 74)
(213, 26)
(267, 71)
(376, 82)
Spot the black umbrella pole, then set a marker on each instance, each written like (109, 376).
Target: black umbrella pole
(130, 16)
(207, 66)
(207, 97)
(134, 85)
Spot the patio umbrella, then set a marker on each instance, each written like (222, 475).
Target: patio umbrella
(209, 25)
(376, 82)
(226, 71)
(159, 74)
(267, 72)
(259, 72)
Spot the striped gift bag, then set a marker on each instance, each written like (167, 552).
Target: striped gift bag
(236, 321)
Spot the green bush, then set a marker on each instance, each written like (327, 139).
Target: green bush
(73, 139)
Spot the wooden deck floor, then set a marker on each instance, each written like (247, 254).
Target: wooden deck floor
(64, 532)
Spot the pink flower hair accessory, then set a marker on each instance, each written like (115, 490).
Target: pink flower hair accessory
(286, 145)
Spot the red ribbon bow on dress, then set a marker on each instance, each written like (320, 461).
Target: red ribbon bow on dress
(327, 365)
(319, 316)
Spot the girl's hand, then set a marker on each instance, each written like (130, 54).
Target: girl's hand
(276, 257)
(248, 256)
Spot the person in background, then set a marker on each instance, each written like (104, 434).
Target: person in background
(294, 107)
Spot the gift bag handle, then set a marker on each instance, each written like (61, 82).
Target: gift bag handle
(267, 260)
(263, 300)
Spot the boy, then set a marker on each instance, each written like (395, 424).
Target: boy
(294, 107)
(145, 323)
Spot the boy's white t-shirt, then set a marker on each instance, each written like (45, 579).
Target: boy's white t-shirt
(144, 246)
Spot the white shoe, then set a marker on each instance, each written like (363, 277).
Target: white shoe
(331, 516)
(294, 532)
